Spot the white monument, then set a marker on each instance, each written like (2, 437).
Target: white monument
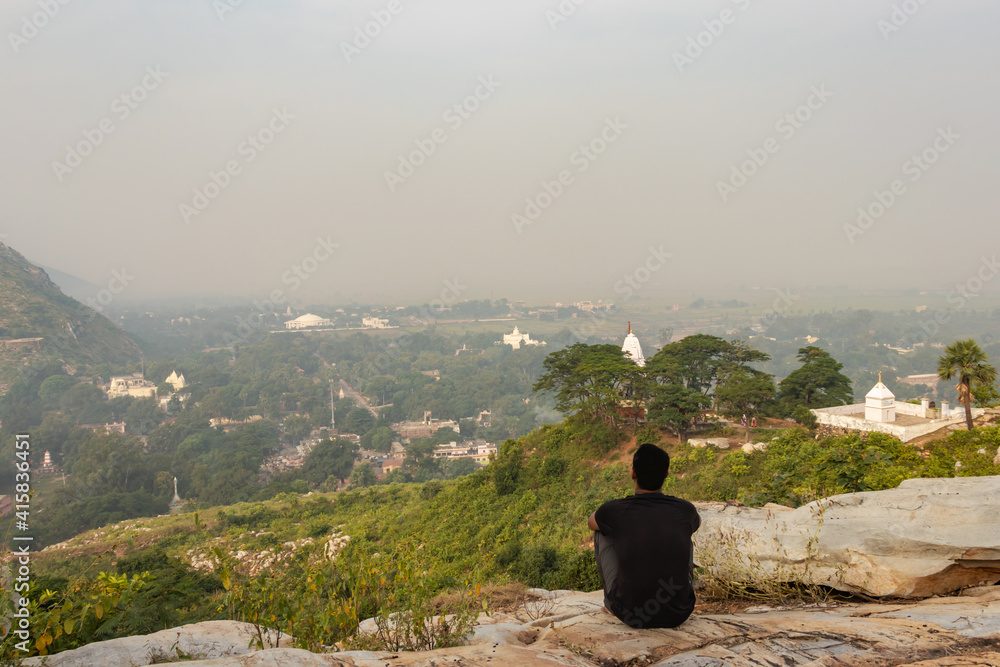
(176, 381)
(880, 404)
(176, 502)
(517, 339)
(633, 348)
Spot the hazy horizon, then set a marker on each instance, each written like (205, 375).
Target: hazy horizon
(312, 213)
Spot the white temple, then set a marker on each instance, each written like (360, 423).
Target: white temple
(880, 413)
(632, 347)
(176, 381)
(517, 339)
(880, 404)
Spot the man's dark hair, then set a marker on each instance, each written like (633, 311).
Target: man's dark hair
(651, 465)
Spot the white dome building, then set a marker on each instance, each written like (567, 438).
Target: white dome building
(517, 339)
(633, 348)
(308, 321)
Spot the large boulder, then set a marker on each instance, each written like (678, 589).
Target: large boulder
(927, 537)
(701, 443)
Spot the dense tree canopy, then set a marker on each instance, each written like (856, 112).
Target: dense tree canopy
(674, 406)
(589, 380)
(359, 421)
(600, 382)
(700, 361)
(330, 458)
(743, 394)
(818, 383)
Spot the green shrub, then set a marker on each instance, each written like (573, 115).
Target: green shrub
(577, 571)
(552, 467)
(321, 602)
(534, 563)
(648, 433)
(804, 416)
(507, 468)
(319, 528)
(431, 489)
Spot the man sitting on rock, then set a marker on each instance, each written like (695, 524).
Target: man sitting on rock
(643, 548)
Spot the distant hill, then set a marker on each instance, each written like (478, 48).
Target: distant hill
(71, 286)
(72, 334)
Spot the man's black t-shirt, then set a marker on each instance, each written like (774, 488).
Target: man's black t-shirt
(652, 537)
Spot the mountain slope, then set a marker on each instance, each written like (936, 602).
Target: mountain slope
(77, 288)
(73, 335)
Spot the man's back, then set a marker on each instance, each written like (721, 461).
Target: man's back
(652, 537)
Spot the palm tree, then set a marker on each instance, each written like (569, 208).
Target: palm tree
(966, 360)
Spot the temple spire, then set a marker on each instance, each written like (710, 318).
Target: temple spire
(632, 348)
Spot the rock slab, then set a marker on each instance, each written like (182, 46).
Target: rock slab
(926, 537)
(211, 639)
(961, 631)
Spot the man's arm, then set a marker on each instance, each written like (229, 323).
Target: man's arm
(592, 522)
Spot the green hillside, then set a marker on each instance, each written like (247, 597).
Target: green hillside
(73, 335)
(520, 519)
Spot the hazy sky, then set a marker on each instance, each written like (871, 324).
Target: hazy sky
(829, 100)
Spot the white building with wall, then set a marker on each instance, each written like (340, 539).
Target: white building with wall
(307, 321)
(881, 413)
(131, 385)
(478, 450)
(374, 323)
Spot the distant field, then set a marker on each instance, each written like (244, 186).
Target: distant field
(651, 317)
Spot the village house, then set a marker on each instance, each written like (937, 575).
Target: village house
(424, 428)
(116, 427)
(388, 465)
(478, 450)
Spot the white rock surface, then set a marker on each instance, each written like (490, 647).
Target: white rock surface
(700, 443)
(211, 639)
(927, 537)
(941, 632)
